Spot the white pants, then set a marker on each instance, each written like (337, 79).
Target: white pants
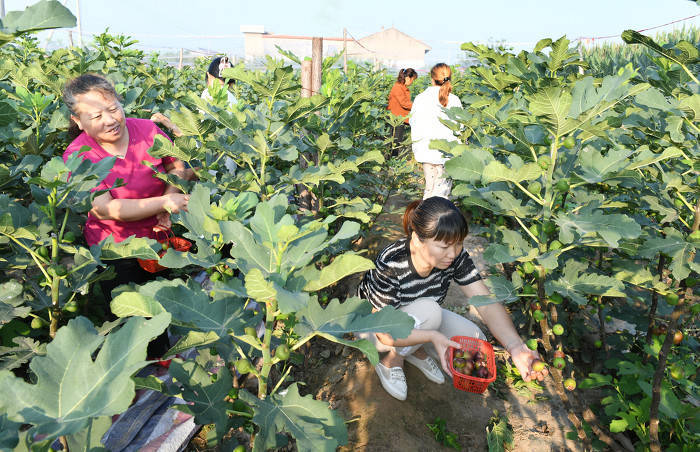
(428, 315)
(436, 182)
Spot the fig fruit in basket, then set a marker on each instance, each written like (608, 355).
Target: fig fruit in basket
(482, 372)
(459, 363)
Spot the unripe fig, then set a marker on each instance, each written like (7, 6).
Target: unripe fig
(528, 267)
(570, 384)
(559, 363)
(538, 315)
(555, 245)
(250, 331)
(676, 372)
(556, 298)
(562, 185)
(672, 298)
(544, 161)
(532, 344)
(282, 352)
(559, 354)
(598, 344)
(558, 329)
(459, 363)
(537, 365)
(243, 366)
(569, 142)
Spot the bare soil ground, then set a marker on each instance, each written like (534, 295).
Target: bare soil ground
(378, 422)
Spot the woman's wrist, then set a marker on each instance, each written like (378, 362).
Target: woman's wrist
(514, 345)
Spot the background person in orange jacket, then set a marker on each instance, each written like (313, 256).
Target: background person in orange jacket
(400, 104)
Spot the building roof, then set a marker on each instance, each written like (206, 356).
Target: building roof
(427, 47)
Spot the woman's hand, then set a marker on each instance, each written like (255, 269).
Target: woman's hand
(523, 357)
(175, 202)
(164, 222)
(442, 344)
(160, 118)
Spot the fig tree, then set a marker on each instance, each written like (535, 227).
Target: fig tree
(69, 237)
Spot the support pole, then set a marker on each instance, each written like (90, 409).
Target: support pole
(345, 50)
(306, 70)
(179, 64)
(2, 9)
(80, 28)
(306, 200)
(317, 65)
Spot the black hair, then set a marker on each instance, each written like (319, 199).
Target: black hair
(403, 73)
(435, 218)
(81, 85)
(214, 69)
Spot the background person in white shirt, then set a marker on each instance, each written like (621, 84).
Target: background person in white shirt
(215, 80)
(428, 109)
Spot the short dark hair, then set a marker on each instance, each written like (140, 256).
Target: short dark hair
(435, 218)
(215, 67)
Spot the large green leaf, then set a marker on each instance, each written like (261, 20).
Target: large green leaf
(9, 432)
(502, 290)
(674, 245)
(354, 315)
(469, 166)
(11, 301)
(258, 288)
(25, 350)
(90, 438)
(342, 266)
(594, 167)
(43, 15)
(188, 304)
(312, 423)
(610, 227)
(245, 250)
(204, 397)
(71, 388)
(132, 247)
(552, 105)
(577, 281)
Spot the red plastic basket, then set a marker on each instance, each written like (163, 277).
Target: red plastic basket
(467, 382)
(177, 243)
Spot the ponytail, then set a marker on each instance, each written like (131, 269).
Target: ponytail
(408, 217)
(435, 218)
(402, 77)
(442, 74)
(403, 73)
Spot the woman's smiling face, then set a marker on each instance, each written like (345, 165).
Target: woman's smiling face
(100, 116)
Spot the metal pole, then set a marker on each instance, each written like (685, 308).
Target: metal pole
(179, 65)
(2, 9)
(317, 65)
(345, 50)
(80, 32)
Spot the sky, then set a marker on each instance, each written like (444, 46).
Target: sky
(173, 24)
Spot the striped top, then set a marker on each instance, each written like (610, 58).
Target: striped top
(396, 282)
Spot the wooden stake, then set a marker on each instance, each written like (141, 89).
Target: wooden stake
(306, 71)
(179, 65)
(345, 50)
(317, 65)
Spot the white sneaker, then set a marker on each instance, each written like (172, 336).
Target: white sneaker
(429, 367)
(393, 380)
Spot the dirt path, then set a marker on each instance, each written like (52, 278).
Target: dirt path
(378, 422)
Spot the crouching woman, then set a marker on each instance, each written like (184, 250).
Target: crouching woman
(413, 275)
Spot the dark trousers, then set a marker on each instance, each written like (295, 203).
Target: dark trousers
(129, 271)
(398, 137)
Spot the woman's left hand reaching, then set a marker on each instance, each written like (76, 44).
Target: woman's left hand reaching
(523, 358)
